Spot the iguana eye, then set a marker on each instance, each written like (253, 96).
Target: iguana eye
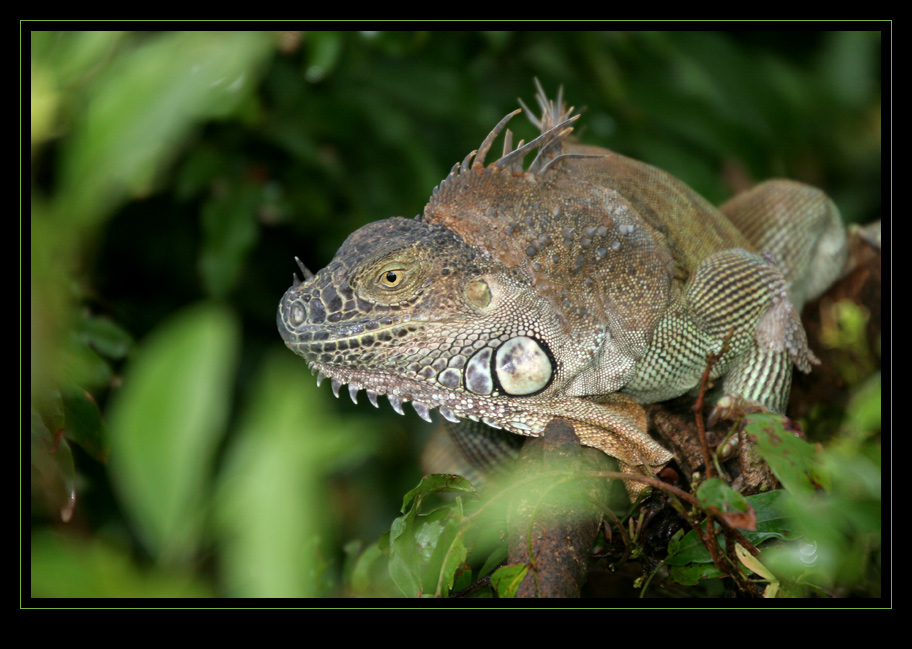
(391, 278)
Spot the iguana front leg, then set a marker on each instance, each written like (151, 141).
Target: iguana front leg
(754, 297)
(736, 299)
(800, 230)
(741, 297)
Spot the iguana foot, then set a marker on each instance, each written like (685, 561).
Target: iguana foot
(731, 407)
(755, 474)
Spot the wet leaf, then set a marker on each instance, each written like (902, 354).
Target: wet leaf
(426, 549)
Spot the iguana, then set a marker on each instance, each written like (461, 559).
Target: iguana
(579, 286)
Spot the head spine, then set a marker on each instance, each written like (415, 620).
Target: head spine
(555, 126)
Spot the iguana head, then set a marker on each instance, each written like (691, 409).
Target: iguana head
(409, 310)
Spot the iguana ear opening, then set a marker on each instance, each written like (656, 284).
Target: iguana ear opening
(477, 293)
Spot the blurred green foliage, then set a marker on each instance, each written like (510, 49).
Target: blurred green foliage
(176, 447)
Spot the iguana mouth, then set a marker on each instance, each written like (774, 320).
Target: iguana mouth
(474, 379)
(377, 389)
(424, 398)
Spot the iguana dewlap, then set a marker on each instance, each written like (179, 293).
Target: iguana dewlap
(579, 287)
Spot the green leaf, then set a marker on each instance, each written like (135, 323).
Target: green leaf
(324, 49)
(142, 107)
(273, 510)
(506, 580)
(463, 578)
(732, 505)
(863, 414)
(68, 567)
(104, 336)
(230, 230)
(59, 61)
(73, 54)
(412, 542)
(426, 549)
(772, 518)
(449, 555)
(363, 567)
(715, 492)
(53, 474)
(167, 422)
(691, 574)
(84, 423)
(792, 459)
(84, 366)
(498, 556)
(686, 549)
(436, 483)
(44, 103)
(837, 533)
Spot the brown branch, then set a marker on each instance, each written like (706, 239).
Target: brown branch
(712, 512)
(555, 539)
(708, 536)
(548, 530)
(480, 584)
(711, 361)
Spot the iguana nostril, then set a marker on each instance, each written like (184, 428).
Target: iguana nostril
(298, 314)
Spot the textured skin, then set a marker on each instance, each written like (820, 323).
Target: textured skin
(579, 287)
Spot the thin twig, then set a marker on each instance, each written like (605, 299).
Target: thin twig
(475, 586)
(711, 360)
(713, 513)
(732, 535)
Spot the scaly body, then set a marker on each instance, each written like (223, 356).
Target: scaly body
(578, 287)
